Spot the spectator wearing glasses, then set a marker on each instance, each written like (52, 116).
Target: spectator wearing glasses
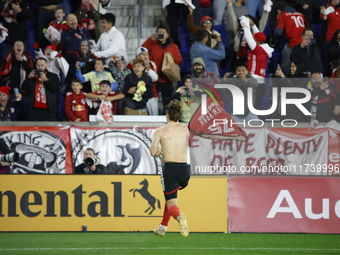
(207, 24)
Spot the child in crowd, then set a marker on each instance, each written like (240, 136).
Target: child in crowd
(76, 104)
(96, 76)
(58, 24)
(105, 93)
(243, 80)
(185, 94)
(137, 82)
(151, 70)
(119, 71)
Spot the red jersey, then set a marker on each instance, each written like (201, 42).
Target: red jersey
(257, 61)
(333, 23)
(114, 103)
(58, 26)
(76, 107)
(293, 24)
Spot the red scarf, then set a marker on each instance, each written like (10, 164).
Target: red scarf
(40, 94)
(7, 66)
(87, 22)
(75, 33)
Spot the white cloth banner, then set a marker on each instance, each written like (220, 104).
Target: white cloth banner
(125, 149)
(265, 152)
(53, 35)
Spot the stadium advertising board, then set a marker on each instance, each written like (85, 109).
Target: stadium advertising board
(284, 204)
(106, 203)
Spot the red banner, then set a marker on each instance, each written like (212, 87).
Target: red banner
(42, 150)
(334, 152)
(284, 204)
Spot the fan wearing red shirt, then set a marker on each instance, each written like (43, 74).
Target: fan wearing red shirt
(105, 93)
(258, 57)
(333, 18)
(292, 23)
(76, 107)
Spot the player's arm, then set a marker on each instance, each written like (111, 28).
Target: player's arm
(154, 148)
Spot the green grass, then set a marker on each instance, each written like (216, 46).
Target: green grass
(172, 243)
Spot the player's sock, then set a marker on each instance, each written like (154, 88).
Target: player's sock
(166, 216)
(174, 211)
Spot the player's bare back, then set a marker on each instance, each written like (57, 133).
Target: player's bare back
(174, 139)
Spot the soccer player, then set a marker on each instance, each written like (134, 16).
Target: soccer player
(174, 141)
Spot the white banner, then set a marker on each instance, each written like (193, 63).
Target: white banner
(265, 152)
(123, 149)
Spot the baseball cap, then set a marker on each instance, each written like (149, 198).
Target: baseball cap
(260, 37)
(205, 18)
(140, 50)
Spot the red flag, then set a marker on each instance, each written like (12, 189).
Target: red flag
(216, 123)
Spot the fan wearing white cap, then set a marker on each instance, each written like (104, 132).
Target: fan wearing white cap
(150, 68)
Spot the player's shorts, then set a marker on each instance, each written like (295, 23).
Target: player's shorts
(175, 177)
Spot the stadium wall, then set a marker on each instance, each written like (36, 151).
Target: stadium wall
(135, 203)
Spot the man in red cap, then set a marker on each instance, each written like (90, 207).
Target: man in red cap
(206, 23)
(258, 57)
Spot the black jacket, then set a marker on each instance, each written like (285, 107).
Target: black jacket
(83, 169)
(334, 49)
(131, 80)
(324, 101)
(311, 55)
(52, 87)
(17, 31)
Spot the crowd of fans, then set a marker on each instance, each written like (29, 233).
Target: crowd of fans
(80, 58)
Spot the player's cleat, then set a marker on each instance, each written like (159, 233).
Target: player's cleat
(183, 227)
(160, 231)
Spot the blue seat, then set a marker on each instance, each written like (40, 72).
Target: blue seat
(224, 34)
(185, 37)
(316, 29)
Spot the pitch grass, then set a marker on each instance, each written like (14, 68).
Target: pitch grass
(172, 243)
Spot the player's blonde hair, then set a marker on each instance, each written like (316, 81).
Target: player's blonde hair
(174, 110)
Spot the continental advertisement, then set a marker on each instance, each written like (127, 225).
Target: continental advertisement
(107, 203)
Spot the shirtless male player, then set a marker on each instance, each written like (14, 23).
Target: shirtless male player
(174, 141)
